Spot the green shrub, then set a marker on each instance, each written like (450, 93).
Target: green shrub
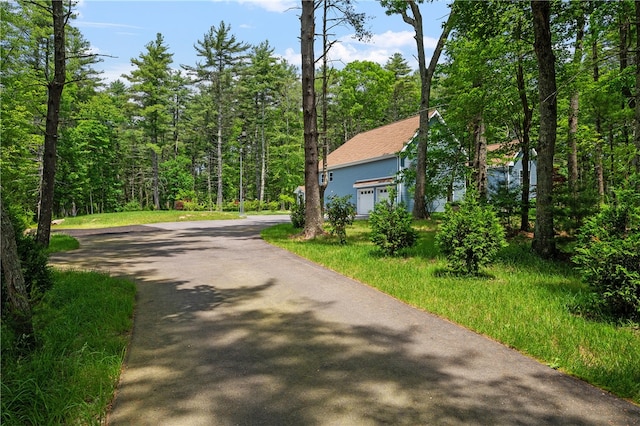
(340, 213)
(132, 206)
(286, 201)
(298, 213)
(252, 206)
(471, 236)
(192, 205)
(392, 226)
(506, 200)
(33, 261)
(608, 257)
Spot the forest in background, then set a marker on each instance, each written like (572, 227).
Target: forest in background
(172, 135)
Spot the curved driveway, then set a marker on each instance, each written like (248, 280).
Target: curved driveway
(229, 330)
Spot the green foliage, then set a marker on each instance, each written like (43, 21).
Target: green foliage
(192, 205)
(177, 180)
(471, 236)
(82, 326)
(298, 213)
(445, 171)
(62, 242)
(506, 199)
(340, 213)
(392, 226)
(132, 206)
(33, 261)
(363, 93)
(570, 212)
(608, 256)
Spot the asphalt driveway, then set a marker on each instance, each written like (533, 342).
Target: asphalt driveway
(229, 330)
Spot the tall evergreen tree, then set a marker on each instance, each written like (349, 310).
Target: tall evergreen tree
(313, 207)
(55, 86)
(223, 56)
(405, 99)
(151, 82)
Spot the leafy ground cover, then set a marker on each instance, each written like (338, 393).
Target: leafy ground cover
(524, 302)
(82, 327)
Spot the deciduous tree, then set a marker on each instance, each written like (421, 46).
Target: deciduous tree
(544, 233)
(410, 12)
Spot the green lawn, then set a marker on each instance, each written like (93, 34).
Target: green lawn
(522, 301)
(109, 220)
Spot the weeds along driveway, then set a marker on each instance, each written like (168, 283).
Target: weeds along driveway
(229, 330)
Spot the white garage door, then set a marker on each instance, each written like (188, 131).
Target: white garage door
(382, 194)
(365, 201)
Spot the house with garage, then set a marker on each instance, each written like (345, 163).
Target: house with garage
(368, 164)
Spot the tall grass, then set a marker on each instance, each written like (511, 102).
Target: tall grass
(81, 326)
(522, 301)
(62, 242)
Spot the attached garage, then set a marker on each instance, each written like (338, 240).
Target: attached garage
(365, 201)
(370, 192)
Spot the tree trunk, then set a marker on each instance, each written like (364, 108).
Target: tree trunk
(156, 177)
(599, 166)
(17, 296)
(525, 147)
(263, 154)
(543, 239)
(219, 157)
(623, 52)
(636, 159)
(574, 109)
(54, 96)
(313, 209)
(480, 158)
(426, 75)
(325, 145)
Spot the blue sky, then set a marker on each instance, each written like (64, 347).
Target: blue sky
(122, 29)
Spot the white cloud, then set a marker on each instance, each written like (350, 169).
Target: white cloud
(114, 72)
(89, 24)
(293, 57)
(379, 48)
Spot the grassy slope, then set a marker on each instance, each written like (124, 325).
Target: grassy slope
(521, 301)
